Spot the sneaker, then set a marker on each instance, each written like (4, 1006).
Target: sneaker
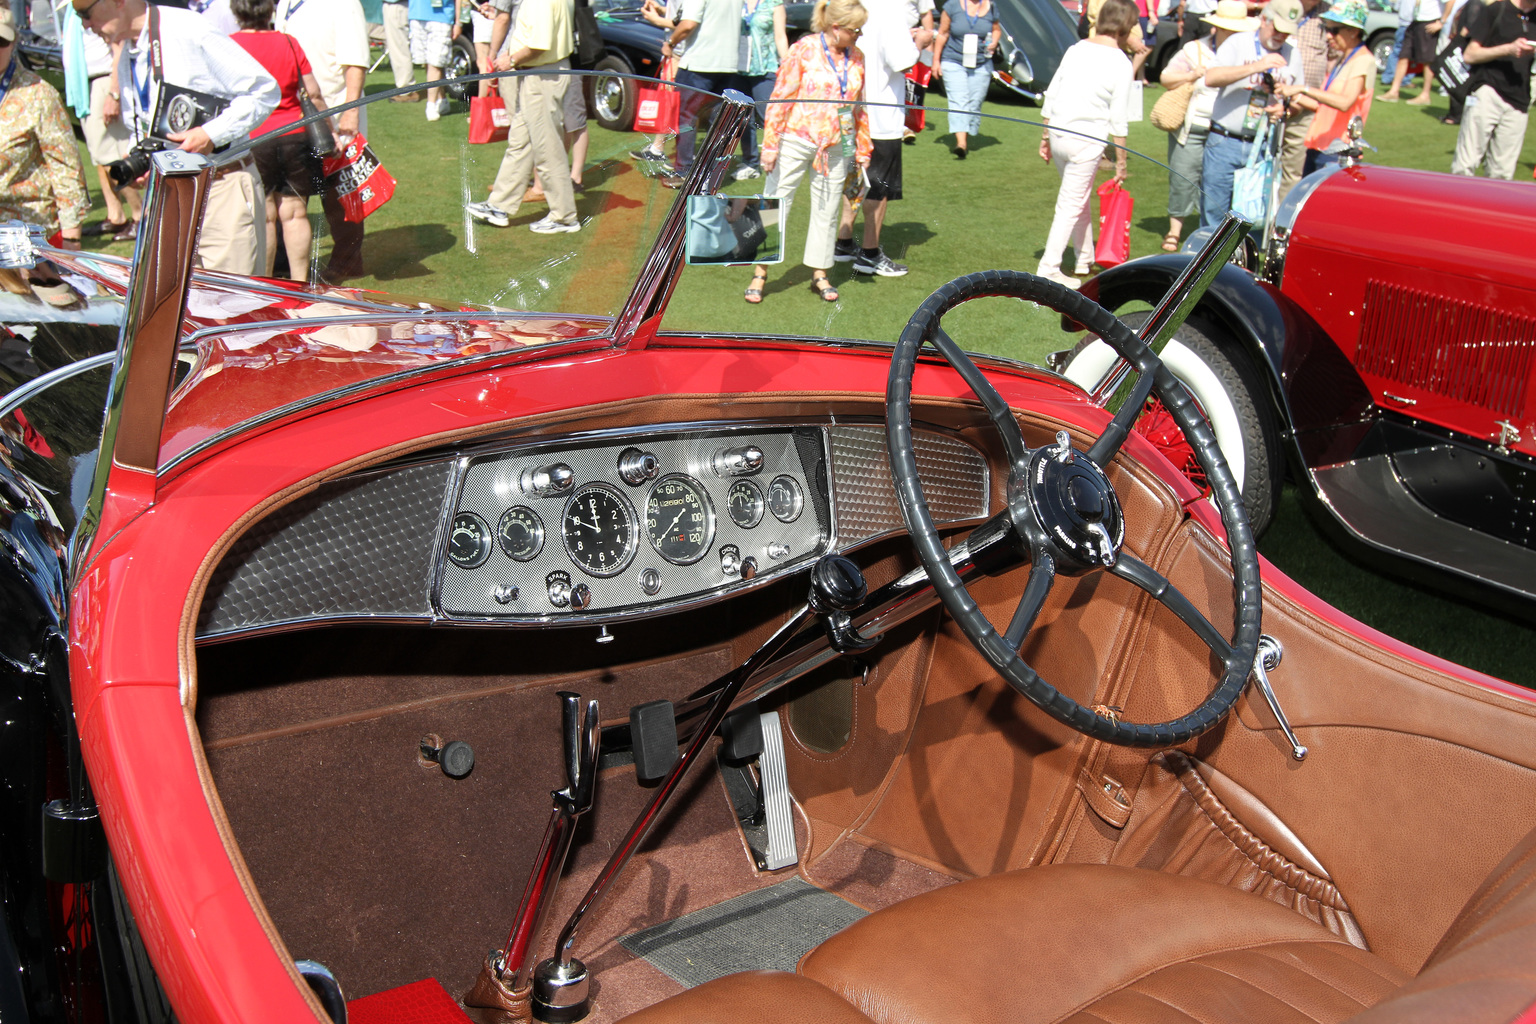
(1062, 279)
(550, 226)
(434, 111)
(846, 250)
(444, 106)
(746, 172)
(485, 213)
(1083, 269)
(648, 154)
(879, 264)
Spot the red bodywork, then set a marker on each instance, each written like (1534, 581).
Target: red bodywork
(131, 657)
(1423, 281)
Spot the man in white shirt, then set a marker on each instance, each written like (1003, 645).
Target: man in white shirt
(1248, 67)
(194, 55)
(334, 35)
(712, 30)
(889, 50)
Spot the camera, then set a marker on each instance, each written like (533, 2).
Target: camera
(177, 110)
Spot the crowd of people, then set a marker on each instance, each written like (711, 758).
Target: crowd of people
(831, 108)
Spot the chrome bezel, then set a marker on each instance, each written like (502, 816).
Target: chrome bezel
(538, 532)
(760, 503)
(488, 545)
(709, 516)
(795, 489)
(631, 542)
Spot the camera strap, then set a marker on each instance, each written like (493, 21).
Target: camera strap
(156, 68)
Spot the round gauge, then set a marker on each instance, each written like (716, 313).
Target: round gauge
(785, 499)
(521, 533)
(599, 530)
(746, 504)
(469, 542)
(679, 520)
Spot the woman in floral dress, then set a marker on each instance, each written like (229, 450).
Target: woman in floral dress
(814, 123)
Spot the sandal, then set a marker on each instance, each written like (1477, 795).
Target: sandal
(821, 286)
(755, 289)
(1170, 242)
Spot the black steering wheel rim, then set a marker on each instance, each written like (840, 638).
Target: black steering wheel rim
(1235, 655)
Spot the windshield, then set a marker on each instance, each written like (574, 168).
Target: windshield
(442, 251)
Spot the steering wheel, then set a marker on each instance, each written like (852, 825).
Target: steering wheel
(1063, 514)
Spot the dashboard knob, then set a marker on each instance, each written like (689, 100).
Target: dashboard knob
(749, 568)
(558, 586)
(730, 560)
(636, 466)
(837, 584)
(741, 460)
(581, 597)
(543, 481)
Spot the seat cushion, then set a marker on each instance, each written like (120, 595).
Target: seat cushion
(1096, 943)
(752, 997)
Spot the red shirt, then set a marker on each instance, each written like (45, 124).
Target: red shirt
(284, 60)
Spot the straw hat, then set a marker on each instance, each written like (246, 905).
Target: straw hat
(7, 24)
(1232, 15)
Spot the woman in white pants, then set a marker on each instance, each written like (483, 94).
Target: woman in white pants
(1087, 104)
(813, 124)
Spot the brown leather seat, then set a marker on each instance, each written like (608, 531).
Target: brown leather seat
(1096, 943)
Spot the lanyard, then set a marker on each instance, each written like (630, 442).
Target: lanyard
(5, 82)
(1340, 65)
(291, 10)
(842, 76)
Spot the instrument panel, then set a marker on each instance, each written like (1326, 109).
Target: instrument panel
(550, 530)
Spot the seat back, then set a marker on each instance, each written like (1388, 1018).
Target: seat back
(1484, 968)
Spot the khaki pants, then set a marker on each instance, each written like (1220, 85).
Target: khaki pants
(397, 43)
(1491, 129)
(1293, 150)
(536, 141)
(796, 156)
(234, 235)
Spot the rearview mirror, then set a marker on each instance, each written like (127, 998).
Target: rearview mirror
(725, 231)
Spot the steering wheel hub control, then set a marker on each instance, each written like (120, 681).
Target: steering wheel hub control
(1076, 506)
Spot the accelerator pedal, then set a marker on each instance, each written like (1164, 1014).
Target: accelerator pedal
(781, 852)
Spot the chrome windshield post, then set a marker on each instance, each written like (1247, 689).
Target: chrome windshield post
(653, 289)
(128, 458)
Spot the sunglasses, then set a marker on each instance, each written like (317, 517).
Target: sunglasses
(1333, 30)
(85, 12)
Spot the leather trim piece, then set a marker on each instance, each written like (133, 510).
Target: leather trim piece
(492, 1002)
(1105, 797)
(1180, 826)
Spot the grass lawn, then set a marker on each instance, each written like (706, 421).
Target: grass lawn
(992, 210)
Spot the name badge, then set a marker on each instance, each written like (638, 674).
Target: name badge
(969, 45)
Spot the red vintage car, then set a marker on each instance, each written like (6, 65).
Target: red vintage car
(874, 682)
(1391, 372)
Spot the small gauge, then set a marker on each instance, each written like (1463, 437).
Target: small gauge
(469, 542)
(599, 530)
(785, 499)
(746, 504)
(521, 533)
(679, 520)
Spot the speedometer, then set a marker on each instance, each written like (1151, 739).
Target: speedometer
(679, 519)
(599, 530)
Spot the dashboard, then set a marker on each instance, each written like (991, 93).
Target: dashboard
(589, 528)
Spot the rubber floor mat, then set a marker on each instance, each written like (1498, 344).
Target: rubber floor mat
(770, 929)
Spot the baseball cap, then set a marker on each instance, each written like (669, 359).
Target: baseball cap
(1347, 12)
(7, 24)
(1285, 15)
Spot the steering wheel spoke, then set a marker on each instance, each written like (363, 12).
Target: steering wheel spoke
(1134, 570)
(1108, 444)
(997, 409)
(1042, 573)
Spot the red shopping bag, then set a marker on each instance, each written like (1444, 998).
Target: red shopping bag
(656, 110)
(488, 119)
(1115, 208)
(918, 77)
(358, 180)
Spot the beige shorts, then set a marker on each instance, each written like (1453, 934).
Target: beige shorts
(105, 140)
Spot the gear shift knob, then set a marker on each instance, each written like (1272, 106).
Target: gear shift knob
(837, 584)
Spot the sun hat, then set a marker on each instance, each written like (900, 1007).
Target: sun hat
(7, 24)
(1232, 15)
(1347, 12)
(1285, 15)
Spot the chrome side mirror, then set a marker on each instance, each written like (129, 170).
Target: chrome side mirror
(727, 231)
